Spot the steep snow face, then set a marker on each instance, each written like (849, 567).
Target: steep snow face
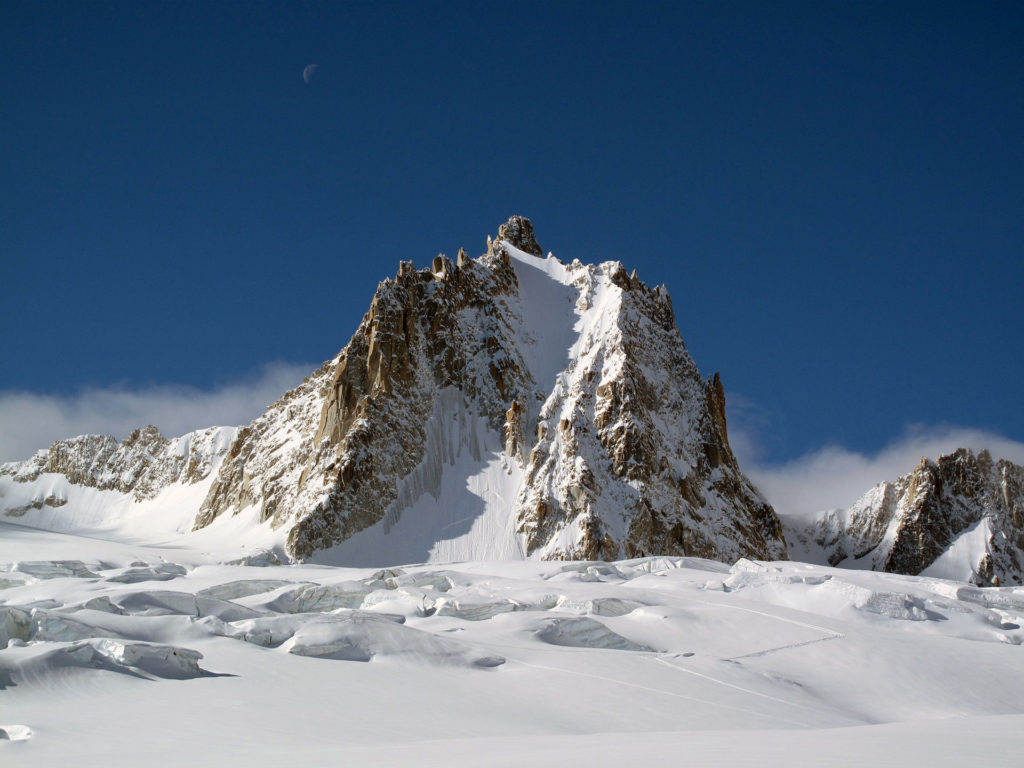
(505, 406)
(960, 517)
(453, 506)
(548, 314)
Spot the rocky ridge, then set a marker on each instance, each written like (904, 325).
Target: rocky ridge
(961, 516)
(142, 464)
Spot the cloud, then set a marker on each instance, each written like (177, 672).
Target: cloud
(30, 421)
(835, 477)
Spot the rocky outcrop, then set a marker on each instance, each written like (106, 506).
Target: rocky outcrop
(265, 463)
(961, 516)
(52, 500)
(142, 464)
(518, 232)
(615, 443)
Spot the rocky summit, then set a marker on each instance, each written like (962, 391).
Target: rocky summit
(960, 517)
(507, 406)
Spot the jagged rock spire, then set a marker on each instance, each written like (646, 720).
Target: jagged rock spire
(518, 231)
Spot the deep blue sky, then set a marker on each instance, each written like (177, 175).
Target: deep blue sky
(833, 192)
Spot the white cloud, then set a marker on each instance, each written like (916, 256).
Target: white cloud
(835, 477)
(31, 421)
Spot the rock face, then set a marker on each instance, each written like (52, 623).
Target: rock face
(556, 399)
(142, 464)
(960, 517)
(518, 232)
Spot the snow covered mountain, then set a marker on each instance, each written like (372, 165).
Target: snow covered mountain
(146, 485)
(960, 517)
(509, 406)
(142, 465)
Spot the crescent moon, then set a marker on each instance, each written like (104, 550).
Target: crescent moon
(307, 73)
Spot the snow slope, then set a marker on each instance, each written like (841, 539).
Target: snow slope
(121, 653)
(550, 320)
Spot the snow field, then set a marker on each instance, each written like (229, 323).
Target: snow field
(495, 663)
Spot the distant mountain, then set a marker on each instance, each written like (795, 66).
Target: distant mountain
(507, 406)
(960, 517)
(141, 465)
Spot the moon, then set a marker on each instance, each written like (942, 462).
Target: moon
(307, 73)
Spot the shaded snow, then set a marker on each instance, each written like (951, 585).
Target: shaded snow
(454, 506)
(961, 559)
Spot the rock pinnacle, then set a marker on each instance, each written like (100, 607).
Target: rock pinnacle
(518, 232)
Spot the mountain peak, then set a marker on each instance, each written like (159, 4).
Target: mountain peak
(502, 407)
(958, 516)
(518, 232)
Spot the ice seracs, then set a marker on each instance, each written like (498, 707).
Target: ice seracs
(451, 662)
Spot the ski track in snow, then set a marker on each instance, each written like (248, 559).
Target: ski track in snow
(740, 688)
(674, 694)
(766, 651)
(829, 634)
